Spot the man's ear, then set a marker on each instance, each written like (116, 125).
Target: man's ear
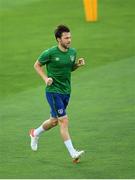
(58, 39)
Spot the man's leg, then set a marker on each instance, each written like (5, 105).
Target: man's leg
(46, 125)
(35, 133)
(63, 123)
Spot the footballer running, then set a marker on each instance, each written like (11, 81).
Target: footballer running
(60, 61)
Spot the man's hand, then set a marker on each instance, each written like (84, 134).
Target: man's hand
(48, 81)
(80, 62)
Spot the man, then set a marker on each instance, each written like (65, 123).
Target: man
(60, 61)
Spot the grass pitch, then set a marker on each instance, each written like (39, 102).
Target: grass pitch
(102, 106)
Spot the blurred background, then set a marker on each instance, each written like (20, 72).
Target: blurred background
(102, 107)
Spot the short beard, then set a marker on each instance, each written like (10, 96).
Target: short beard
(65, 47)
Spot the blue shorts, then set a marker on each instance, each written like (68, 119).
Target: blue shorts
(58, 103)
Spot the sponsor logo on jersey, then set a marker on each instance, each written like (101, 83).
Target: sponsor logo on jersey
(57, 59)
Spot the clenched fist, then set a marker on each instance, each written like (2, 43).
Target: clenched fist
(49, 81)
(80, 62)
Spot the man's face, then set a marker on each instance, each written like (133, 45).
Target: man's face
(65, 40)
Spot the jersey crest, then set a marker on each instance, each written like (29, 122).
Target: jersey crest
(72, 58)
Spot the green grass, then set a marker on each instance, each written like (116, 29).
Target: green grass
(102, 107)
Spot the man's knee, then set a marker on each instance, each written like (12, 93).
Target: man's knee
(54, 121)
(63, 121)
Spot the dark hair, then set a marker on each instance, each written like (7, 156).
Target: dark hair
(59, 30)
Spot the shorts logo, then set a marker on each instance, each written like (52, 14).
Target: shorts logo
(72, 58)
(60, 111)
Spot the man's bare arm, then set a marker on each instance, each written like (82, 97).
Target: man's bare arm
(40, 71)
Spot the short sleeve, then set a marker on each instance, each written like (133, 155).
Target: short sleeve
(74, 62)
(44, 57)
(75, 56)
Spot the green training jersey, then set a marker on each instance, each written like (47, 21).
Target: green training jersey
(59, 65)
